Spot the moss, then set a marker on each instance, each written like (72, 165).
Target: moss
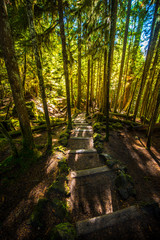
(3, 142)
(63, 166)
(99, 116)
(64, 136)
(98, 146)
(63, 231)
(117, 125)
(60, 209)
(36, 218)
(97, 137)
(97, 127)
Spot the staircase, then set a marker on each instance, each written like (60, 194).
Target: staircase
(91, 194)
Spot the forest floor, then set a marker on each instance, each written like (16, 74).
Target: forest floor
(19, 193)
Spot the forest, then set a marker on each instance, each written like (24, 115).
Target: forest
(79, 119)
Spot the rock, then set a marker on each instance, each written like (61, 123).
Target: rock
(63, 231)
(60, 209)
(125, 185)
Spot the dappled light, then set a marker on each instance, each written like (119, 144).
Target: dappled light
(79, 119)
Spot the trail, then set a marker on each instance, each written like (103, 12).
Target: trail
(91, 186)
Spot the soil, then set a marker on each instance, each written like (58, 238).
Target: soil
(19, 195)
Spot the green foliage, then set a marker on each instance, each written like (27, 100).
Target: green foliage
(98, 142)
(97, 127)
(63, 166)
(63, 231)
(97, 137)
(3, 143)
(60, 209)
(117, 125)
(99, 117)
(36, 218)
(64, 136)
(22, 163)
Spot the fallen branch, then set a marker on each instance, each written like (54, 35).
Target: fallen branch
(34, 129)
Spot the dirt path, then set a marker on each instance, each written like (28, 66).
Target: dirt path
(92, 193)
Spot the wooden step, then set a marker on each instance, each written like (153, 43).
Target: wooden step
(83, 151)
(82, 130)
(80, 138)
(91, 171)
(106, 221)
(81, 124)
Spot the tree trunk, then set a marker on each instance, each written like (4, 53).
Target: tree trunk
(88, 83)
(24, 70)
(79, 61)
(150, 81)
(39, 68)
(92, 83)
(14, 77)
(150, 53)
(123, 55)
(153, 119)
(110, 60)
(65, 60)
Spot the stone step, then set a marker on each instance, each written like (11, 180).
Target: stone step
(106, 221)
(91, 171)
(83, 151)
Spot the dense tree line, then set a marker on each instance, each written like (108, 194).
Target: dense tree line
(103, 56)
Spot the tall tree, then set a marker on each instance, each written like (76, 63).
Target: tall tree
(88, 83)
(39, 67)
(150, 52)
(79, 60)
(123, 54)
(7, 45)
(110, 59)
(154, 117)
(65, 60)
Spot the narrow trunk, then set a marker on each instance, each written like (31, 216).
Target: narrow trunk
(92, 79)
(123, 55)
(153, 119)
(110, 60)
(65, 60)
(24, 70)
(79, 61)
(14, 77)
(149, 83)
(105, 82)
(88, 83)
(39, 68)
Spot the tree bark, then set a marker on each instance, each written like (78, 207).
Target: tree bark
(79, 61)
(153, 119)
(150, 53)
(65, 60)
(39, 68)
(88, 83)
(110, 59)
(123, 55)
(14, 77)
